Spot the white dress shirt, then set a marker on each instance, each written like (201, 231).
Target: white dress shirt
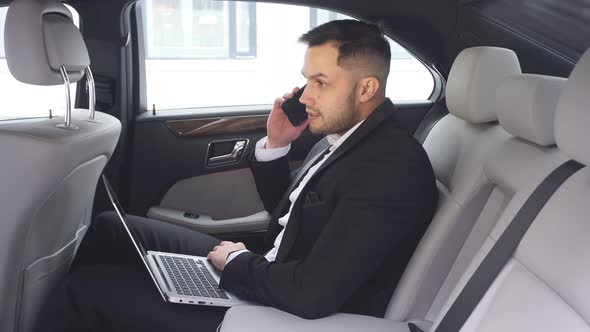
(263, 154)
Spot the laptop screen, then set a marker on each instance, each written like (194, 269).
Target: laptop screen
(134, 238)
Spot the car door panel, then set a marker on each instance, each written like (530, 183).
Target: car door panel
(211, 194)
(174, 179)
(257, 222)
(172, 167)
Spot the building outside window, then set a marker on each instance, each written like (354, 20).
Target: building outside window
(199, 29)
(321, 16)
(208, 53)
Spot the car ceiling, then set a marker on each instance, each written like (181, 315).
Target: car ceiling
(437, 30)
(539, 31)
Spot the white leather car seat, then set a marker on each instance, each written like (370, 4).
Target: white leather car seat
(549, 269)
(50, 167)
(543, 286)
(457, 147)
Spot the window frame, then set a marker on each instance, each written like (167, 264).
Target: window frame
(147, 112)
(232, 49)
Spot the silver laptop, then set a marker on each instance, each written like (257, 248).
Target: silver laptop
(179, 278)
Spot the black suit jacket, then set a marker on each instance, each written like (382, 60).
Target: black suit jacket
(352, 230)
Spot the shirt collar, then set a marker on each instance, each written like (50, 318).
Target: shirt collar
(336, 139)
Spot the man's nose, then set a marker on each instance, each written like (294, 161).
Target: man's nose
(305, 98)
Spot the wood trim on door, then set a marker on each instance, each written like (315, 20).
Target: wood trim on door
(217, 126)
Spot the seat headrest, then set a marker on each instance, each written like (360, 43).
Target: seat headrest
(39, 38)
(474, 77)
(526, 106)
(572, 120)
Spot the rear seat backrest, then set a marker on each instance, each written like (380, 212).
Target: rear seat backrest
(527, 106)
(457, 147)
(543, 287)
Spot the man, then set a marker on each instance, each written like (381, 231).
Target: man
(341, 239)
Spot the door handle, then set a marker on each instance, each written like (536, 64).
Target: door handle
(233, 157)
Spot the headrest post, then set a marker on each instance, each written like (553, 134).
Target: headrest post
(68, 123)
(64, 75)
(91, 92)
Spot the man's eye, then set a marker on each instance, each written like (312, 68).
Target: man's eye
(320, 83)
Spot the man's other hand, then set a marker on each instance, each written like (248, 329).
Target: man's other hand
(279, 131)
(218, 255)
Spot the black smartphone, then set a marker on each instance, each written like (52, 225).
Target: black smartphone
(294, 110)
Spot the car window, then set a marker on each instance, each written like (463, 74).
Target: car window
(205, 53)
(21, 100)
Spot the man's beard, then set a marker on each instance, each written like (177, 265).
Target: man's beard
(343, 121)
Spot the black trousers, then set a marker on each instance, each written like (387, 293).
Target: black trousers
(108, 288)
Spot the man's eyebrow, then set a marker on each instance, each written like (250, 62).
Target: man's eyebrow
(316, 75)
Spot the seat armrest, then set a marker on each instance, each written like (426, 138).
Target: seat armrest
(254, 223)
(267, 319)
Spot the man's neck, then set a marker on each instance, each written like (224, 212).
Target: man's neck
(337, 139)
(364, 110)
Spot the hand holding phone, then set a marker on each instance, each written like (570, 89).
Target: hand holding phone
(286, 121)
(294, 110)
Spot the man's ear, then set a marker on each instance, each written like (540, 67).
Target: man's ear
(367, 88)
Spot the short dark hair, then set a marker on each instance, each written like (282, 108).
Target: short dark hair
(354, 39)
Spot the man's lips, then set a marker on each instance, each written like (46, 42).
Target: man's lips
(312, 115)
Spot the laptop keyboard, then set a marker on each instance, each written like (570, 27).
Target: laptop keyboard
(191, 277)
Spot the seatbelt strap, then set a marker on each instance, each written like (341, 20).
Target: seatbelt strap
(503, 249)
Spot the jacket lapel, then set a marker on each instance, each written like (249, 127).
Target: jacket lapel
(295, 182)
(380, 114)
(274, 228)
